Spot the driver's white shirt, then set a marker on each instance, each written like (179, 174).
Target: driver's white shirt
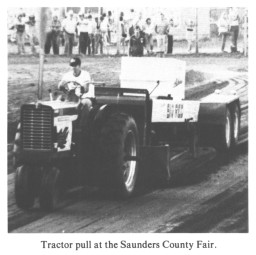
(83, 79)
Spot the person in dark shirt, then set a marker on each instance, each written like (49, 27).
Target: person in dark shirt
(137, 43)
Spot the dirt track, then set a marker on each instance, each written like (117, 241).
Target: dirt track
(211, 198)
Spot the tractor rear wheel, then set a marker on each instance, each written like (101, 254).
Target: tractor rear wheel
(50, 188)
(24, 187)
(118, 144)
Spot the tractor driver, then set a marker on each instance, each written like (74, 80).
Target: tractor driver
(77, 82)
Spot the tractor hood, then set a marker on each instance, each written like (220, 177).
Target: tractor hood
(57, 105)
(60, 108)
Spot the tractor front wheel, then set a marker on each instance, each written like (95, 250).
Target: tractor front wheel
(24, 187)
(50, 188)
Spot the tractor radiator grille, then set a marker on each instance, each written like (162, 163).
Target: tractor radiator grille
(37, 128)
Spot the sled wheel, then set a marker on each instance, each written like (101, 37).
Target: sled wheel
(24, 187)
(225, 134)
(228, 131)
(50, 188)
(235, 125)
(16, 147)
(119, 152)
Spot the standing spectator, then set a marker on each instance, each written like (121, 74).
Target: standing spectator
(122, 15)
(110, 25)
(223, 26)
(170, 32)
(131, 19)
(69, 26)
(32, 32)
(139, 21)
(98, 37)
(137, 43)
(245, 28)
(148, 29)
(190, 34)
(20, 34)
(162, 25)
(53, 36)
(161, 36)
(104, 32)
(121, 35)
(84, 40)
(91, 31)
(234, 28)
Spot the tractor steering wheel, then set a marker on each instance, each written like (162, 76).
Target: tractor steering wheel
(70, 85)
(73, 86)
(72, 90)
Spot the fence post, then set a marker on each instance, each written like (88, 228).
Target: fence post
(197, 31)
(43, 24)
(246, 34)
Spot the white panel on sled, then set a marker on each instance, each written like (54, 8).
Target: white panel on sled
(143, 73)
(167, 111)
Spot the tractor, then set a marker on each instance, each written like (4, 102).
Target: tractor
(140, 121)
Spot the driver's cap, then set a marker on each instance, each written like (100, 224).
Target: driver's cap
(75, 62)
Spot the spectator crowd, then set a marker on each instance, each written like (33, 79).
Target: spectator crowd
(131, 33)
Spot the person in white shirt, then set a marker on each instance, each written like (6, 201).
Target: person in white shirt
(77, 85)
(104, 32)
(131, 19)
(161, 36)
(69, 27)
(234, 21)
(190, 34)
(76, 76)
(121, 35)
(110, 25)
(98, 37)
(223, 26)
(139, 21)
(170, 32)
(149, 29)
(84, 40)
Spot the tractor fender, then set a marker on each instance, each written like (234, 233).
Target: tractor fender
(102, 113)
(98, 116)
(138, 112)
(212, 119)
(214, 113)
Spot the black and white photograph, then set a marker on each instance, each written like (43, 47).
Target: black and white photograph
(128, 120)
